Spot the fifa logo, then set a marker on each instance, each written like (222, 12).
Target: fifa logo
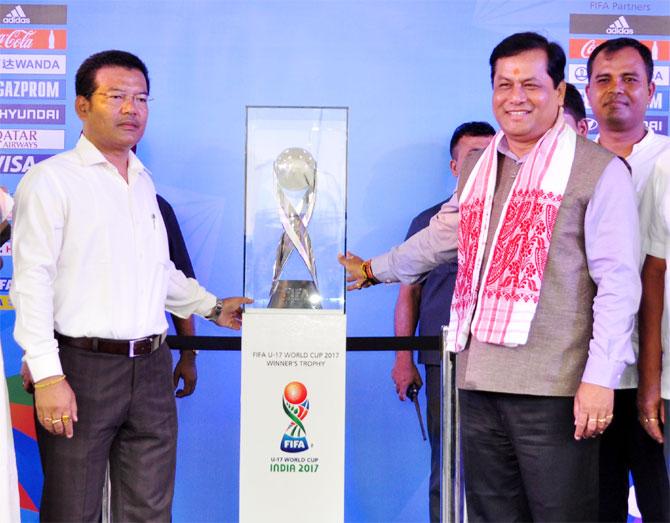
(296, 407)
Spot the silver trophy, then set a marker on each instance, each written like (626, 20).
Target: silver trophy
(295, 192)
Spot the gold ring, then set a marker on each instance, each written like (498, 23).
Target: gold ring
(600, 420)
(610, 416)
(57, 420)
(47, 420)
(647, 420)
(65, 418)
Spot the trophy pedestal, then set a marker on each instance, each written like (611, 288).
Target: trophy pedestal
(294, 294)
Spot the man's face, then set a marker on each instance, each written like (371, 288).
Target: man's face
(465, 146)
(525, 102)
(114, 119)
(619, 90)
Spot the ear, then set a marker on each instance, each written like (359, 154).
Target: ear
(582, 127)
(561, 92)
(82, 105)
(652, 90)
(452, 166)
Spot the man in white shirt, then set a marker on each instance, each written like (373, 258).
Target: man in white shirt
(654, 362)
(619, 90)
(92, 279)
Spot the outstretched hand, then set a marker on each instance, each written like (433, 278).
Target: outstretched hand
(231, 314)
(355, 274)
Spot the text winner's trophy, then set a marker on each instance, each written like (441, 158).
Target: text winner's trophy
(295, 175)
(295, 211)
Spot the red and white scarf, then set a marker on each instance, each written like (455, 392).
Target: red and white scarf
(501, 309)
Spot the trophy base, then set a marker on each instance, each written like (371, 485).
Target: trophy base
(294, 294)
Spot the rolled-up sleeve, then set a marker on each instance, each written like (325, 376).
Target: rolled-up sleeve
(612, 242)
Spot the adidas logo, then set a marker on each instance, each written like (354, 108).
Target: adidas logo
(16, 16)
(619, 27)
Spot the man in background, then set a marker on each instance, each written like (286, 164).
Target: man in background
(426, 304)
(186, 368)
(619, 90)
(574, 110)
(654, 361)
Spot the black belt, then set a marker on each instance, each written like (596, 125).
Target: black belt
(130, 348)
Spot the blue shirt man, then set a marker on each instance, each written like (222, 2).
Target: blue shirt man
(427, 304)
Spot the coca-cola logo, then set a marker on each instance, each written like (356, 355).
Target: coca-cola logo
(17, 39)
(588, 48)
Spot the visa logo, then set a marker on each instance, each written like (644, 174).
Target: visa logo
(19, 163)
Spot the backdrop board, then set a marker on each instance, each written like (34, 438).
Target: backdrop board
(409, 71)
(292, 416)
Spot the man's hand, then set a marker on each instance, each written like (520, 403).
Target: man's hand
(186, 370)
(593, 410)
(651, 409)
(650, 361)
(404, 373)
(355, 274)
(231, 313)
(26, 378)
(56, 407)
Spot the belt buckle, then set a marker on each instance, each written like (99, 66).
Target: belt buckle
(131, 347)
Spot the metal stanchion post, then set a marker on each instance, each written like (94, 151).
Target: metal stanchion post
(453, 506)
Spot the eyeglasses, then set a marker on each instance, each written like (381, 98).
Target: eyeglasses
(117, 98)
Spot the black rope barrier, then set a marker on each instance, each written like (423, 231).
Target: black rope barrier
(355, 344)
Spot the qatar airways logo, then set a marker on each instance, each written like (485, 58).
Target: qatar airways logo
(32, 139)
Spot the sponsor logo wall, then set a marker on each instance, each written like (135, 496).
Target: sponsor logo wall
(587, 31)
(33, 43)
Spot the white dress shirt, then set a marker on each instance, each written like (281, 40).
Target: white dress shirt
(91, 257)
(642, 160)
(656, 242)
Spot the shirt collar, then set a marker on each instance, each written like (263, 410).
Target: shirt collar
(503, 148)
(91, 155)
(646, 140)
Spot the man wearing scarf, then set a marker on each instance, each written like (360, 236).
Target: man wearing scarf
(547, 288)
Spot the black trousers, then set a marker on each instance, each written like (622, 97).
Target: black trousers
(521, 461)
(434, 426)
(127, 416)
(625, 447)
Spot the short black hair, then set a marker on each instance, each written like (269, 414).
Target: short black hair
(573, 104)
(521, 42)
(616, 44)
(85, 79)
(470, 129)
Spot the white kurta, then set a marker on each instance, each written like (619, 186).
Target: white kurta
(9, 483)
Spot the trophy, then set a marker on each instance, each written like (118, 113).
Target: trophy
(295, 174)
(295, 207)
